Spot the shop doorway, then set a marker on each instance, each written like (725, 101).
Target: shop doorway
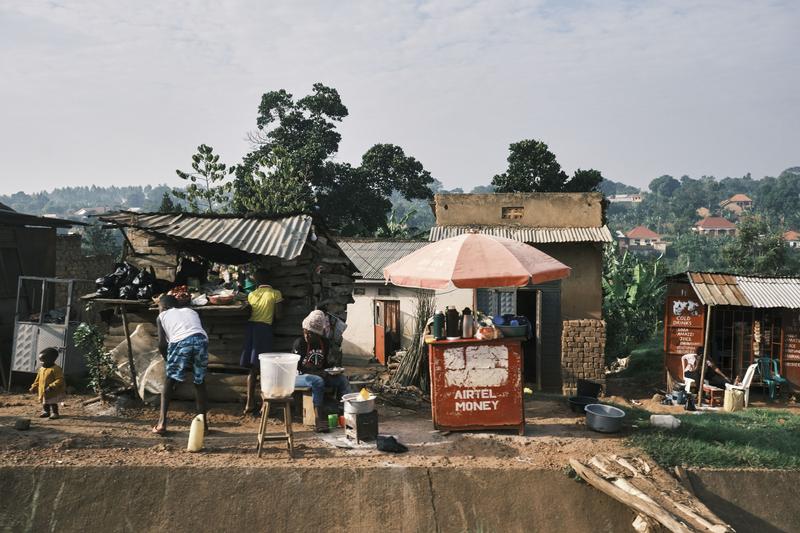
(528, 305)
(387, 329)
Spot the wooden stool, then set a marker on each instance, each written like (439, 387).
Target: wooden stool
(287, 424)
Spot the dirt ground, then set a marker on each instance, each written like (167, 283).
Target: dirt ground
(108, 434)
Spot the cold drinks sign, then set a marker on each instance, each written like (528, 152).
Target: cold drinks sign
(684, 328)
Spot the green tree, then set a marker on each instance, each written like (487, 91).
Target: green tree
(207, 188)
(532, 167)
(397, 227)
(168, 206)
(353, 200)
(633, 292)
(756, 249)
(275, 187)
(97, 240)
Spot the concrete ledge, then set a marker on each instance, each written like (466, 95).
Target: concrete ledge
(289, 498)
(274, 499)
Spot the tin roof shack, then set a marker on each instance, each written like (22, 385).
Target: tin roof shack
(304, 263)
(382, 315)
(570, 332)
(27, 248)
(737, 318)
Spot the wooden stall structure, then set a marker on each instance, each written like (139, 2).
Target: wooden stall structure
(27, 248)
(304, 263)
(737, 318)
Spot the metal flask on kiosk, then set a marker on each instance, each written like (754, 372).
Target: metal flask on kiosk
(438, 325)
(467, 324)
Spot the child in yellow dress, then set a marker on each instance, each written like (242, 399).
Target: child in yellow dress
(49, 384)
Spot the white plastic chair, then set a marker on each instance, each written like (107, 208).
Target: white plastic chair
(744, 386)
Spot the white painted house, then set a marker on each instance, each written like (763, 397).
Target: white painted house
(381, 319)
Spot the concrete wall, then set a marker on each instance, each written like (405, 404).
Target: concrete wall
(391, 499)
(359, 337)
(277, 499)
(543, 210)
(582, 292)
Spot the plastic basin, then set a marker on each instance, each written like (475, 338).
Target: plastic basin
(604, 418)
(578, 403)
(278, 372)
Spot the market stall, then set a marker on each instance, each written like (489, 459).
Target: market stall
(210, 258)
(476, 371)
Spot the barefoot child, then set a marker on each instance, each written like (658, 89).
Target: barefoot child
(49, 384)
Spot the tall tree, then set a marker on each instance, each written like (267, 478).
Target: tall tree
(756, 249)
(532, 167)
(302, 133)
(96, 240)
(168, 206)
(207, 188)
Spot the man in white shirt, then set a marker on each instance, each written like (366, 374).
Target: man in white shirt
(691, 369)
(183, 343)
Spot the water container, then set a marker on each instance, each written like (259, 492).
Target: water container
(278, 372)
(196, 434)
(664, 421)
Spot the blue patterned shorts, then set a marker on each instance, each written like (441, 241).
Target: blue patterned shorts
(189, 353)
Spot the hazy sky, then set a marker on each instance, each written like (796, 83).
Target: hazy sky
(99, 92)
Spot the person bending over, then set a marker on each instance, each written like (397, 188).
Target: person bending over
(183, 343)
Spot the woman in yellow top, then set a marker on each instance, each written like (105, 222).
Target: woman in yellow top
(49, 384)
(265, 308)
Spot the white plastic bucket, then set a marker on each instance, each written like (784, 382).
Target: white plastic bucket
(278, 372)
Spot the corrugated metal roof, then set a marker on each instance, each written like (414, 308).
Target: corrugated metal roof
(771, 292)
(9, 217)
(279, 237)
(371, 257)
(529, 235)
(747, 291)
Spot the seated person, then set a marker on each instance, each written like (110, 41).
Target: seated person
(714, 376)
(313, 348)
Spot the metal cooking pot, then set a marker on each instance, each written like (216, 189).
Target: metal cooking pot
(354, 404)
(604, 418)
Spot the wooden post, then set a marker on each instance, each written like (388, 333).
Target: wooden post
(705, 355)
(130, 348)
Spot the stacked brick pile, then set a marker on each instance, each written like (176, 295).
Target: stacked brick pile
(582, 345)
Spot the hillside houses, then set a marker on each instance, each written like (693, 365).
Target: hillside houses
(715, 227)
(642, 240)
(737, 204)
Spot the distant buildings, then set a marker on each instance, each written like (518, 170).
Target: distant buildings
(792, 238)
(625, 198)
(89, 211)
(641, 240)
(715, 227)
(737, 204)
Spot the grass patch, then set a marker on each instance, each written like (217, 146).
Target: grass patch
(646, 362)
(755, 438)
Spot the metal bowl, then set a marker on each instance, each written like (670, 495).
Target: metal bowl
(604, 418)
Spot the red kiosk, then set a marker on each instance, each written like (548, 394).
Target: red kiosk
(476, 384)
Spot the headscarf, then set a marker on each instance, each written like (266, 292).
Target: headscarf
(315, 322)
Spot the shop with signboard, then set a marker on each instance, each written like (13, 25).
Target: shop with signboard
(739, 319)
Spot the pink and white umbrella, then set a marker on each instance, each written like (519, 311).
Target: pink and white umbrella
(472, 261)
